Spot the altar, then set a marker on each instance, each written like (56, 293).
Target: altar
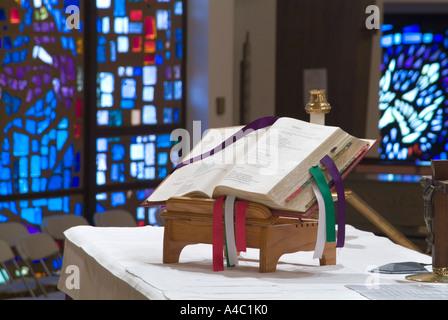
(127, 263)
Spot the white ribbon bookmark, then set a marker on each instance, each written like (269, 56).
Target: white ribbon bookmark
(321, 228)
(232, 255)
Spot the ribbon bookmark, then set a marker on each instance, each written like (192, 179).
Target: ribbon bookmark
(321, 233)
(232, 255)
(218, 241)
(254, 125)
(240, 226)
(328, 201)
(337, 179)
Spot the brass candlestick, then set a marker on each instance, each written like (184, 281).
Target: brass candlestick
(318, 106)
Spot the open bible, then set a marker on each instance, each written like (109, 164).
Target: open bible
(268, 166)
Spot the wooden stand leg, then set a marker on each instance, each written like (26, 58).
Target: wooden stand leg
(277, 241)
(171, 248)
(272, 247)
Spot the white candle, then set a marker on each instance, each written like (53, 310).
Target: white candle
(317, 118)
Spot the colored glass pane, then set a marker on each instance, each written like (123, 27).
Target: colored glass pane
(42, 95)
(413, 89)
(132, 158)
(42, 136)
(141, 36)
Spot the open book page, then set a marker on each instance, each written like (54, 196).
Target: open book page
(344, 150)
(279, 165)
(285, 146)
(211, 139)
(198, 179)
(269, 166)
(194, 180)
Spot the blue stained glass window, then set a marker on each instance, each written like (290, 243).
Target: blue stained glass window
(167, 115)
(137, 152)
(5, 158)
(149, 75)
(101, 145)
(122, 44)
(177, 90)
(35, 166)
(146, 52)
(115, 172)
(106, 82)
(178, 8)
(164, 141)
(138, 52)
(119, 8)
(62, 136)
(118, 199)
(413, 90)
(149, 114)
(55, 204)
(102, 118)
(33, 215)
(103, 4)
(148, 94)
(127, 104)
(118, 152)
(43, 99)
(128, 89)
(162, 159)
(168, 93)
(179, 50)
(21, 144)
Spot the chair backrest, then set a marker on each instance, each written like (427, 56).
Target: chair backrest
(114, 218)
(6, 253)
(56, 225)
(11, 230)
(36, 246)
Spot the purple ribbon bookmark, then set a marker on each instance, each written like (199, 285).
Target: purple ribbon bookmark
(254, 125)
(337, 179)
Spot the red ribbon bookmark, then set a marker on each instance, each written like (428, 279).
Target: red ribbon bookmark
(218, 236)
(240, 226)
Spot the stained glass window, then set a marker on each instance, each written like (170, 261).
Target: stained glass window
(137, 101)
(139, 89)
(41, 100)
(414, 88)
(140, 58)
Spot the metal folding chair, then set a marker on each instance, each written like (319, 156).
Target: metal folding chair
(11, 287)
(39, 247)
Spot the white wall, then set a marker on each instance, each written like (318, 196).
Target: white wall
(258, 18)
(215, 35)
(221, 71)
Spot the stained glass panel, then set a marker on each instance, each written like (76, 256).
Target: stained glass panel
(138, 72)
(35, 209)
(139, 87)
(414, 88)
(41, 102)
(132, 158)
(140, 51)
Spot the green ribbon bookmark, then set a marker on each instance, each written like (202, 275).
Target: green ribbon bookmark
(330, 216)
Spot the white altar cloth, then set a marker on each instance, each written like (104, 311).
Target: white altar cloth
(126, 263)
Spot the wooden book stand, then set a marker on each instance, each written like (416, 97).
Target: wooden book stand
(189, 221)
